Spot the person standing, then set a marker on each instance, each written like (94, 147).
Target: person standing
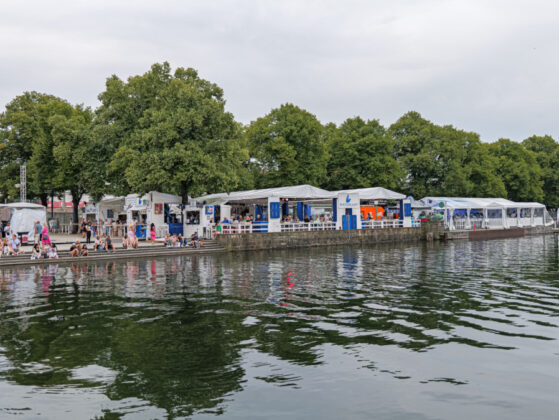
(131, 233)
(152, 232)
(7, 231)
(88, 233)
(45, 240)
(82, 228)
(37, 229)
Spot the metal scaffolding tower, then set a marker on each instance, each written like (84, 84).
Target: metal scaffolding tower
(22, 183)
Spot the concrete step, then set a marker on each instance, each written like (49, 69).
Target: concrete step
(132, 251)
(141, 252)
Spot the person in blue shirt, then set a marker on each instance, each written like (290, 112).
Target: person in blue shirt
(37, 229)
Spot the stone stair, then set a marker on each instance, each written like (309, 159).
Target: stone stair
(146, 251)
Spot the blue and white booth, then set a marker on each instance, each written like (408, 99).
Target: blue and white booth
(347, 206)
(163, 210)
(198, 219)
(267, 207)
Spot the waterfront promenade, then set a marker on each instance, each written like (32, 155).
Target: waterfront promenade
(144, 250)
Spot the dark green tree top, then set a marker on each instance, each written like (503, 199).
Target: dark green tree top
(171, 133)
(28, 140)
(546, 151)
(362, 155)
(519, 170)
(287, 148)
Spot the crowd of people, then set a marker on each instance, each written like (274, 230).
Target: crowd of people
(177, 241)
(106, 227)
(44, 248)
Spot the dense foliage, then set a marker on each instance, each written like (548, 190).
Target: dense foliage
(170, 131)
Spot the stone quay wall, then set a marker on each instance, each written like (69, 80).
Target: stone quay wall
(256, 241)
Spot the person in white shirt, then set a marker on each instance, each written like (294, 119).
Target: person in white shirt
(7, 231)
(14, 245)
(52, 252)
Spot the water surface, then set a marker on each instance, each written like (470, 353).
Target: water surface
(431, 331)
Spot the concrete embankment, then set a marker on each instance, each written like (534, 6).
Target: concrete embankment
(485, 234)
(301, 239)
(240, 242)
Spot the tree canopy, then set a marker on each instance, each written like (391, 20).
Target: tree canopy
(27, 127)
(519, 170)
(170, 131)
(287, 148)
(361, 154)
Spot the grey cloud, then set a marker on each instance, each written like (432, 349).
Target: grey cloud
(488, 67)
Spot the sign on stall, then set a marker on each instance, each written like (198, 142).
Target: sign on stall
(349, 201)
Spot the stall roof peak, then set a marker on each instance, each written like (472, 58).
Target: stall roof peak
(303, 192)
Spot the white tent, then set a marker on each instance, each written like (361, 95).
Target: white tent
(24, 216)
(294, 193)
(489, 213)
(114, 204)
(373, 193)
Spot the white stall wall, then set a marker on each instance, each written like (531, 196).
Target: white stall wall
(23, 221)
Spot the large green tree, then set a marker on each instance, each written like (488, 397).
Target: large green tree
(287, 147)
(170, 132)
(78, 156)
(546, 151)
(414, 137)
(361, 154)
(27, 134)
(483, 175)
(444, 161)
(519, 170)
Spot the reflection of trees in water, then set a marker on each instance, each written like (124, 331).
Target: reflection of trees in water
(173, 329)
(180, 359)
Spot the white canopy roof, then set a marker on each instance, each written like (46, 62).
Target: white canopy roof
(297, 192)
(132, 200)
(22, 205)
(475, 203)
(373, 193)
(110, 200)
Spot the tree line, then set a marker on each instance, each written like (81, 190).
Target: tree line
(169, 131)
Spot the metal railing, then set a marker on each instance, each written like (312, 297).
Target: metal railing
(113, 230)
(243, 227)
(307, 226)
(476, 224)
(386, 224)
(460, 224)
(496, 223)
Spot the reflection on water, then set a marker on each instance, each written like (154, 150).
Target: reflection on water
(456, 330)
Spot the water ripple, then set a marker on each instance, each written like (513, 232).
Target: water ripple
(188, 336)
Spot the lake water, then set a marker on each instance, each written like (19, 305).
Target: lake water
(431, 331)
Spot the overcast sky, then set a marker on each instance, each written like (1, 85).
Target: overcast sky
(487, 66)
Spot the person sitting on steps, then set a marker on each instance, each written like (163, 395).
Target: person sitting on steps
(109, 244)
(76, 249)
